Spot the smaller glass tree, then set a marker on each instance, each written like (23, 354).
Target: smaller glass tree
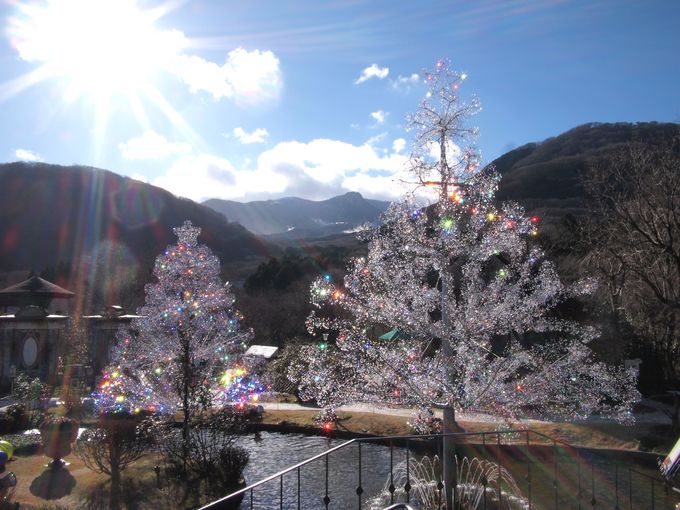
(184, 349)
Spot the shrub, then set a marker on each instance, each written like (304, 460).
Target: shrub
(6, 423)
(19, 417)
(111, 447)
(213, 464)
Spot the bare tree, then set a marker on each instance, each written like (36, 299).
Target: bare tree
(635, 244)
(110, 448)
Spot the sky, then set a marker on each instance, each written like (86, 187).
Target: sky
(263, 99)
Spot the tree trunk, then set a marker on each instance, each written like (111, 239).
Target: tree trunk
(114, 502)
(186, 372)
(450, 470)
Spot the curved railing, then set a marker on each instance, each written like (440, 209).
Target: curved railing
(555, 474)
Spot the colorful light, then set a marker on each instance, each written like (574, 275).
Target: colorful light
(188, 281)
(447, 223)
(397, 285)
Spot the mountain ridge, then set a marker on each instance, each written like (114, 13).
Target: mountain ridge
(546, 176)
(106, 227)
(310, 218)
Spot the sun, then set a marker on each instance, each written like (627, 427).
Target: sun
(99, 46)
(98, 50)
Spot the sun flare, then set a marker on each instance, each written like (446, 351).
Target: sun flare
(98, 46)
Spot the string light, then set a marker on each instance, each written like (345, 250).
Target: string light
(499, 287)
(179, 319)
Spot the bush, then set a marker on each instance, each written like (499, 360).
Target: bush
(209, 463)
(6, 423)
(28, 390)
(19, 417)
(231, 462)
(111, 447)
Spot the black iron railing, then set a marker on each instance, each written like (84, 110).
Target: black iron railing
(518, 467)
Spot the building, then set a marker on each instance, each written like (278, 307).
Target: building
(33, 339)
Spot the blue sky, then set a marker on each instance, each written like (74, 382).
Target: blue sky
(263, 99)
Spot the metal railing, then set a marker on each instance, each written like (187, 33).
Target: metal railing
(551, 474)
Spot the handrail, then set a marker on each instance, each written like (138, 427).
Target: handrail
(549, 439)
(215, 504)
(552, 442)
(276, 475)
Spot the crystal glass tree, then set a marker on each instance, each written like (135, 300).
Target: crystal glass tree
(472, 301)
(184, 349)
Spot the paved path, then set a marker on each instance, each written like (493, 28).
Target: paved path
(651, 417)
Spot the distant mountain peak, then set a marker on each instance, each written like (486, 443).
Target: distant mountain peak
(86, 217)
(305, 217)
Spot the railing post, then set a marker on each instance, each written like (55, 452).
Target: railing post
(652, 494)
(498, 464)
(616, 485)
(326, 499)
(579, 494)
(360, 489)
(593, 501)
(298, 488)
(485, 482)
(391, 487)
(440, 484)
(630, 489)
(555, 473)
(529, 469)
(407, 487)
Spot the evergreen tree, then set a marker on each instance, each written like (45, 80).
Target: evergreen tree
(183, 350)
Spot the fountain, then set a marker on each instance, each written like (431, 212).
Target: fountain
(481, 484)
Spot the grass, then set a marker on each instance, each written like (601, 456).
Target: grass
(638, 437)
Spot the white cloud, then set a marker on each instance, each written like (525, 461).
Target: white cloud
(151, 145)
(249, 77)
(26, 155)
(316, 170)
(372, 141)
(404, 83)
(373, 71)
(257, 136)
(199, 177)
(139, 177)
(379, 116)
(398, 145)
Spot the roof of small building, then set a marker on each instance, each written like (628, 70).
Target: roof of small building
(36, 286)
(266, 351)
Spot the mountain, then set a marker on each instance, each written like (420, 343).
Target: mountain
(546, 177)
(299, 218)
(105, 227)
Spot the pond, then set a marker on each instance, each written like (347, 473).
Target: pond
(602, 476)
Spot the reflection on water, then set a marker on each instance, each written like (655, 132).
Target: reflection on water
(581, 477)
(275, 452)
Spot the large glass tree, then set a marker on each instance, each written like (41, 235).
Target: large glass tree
(471, 300)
